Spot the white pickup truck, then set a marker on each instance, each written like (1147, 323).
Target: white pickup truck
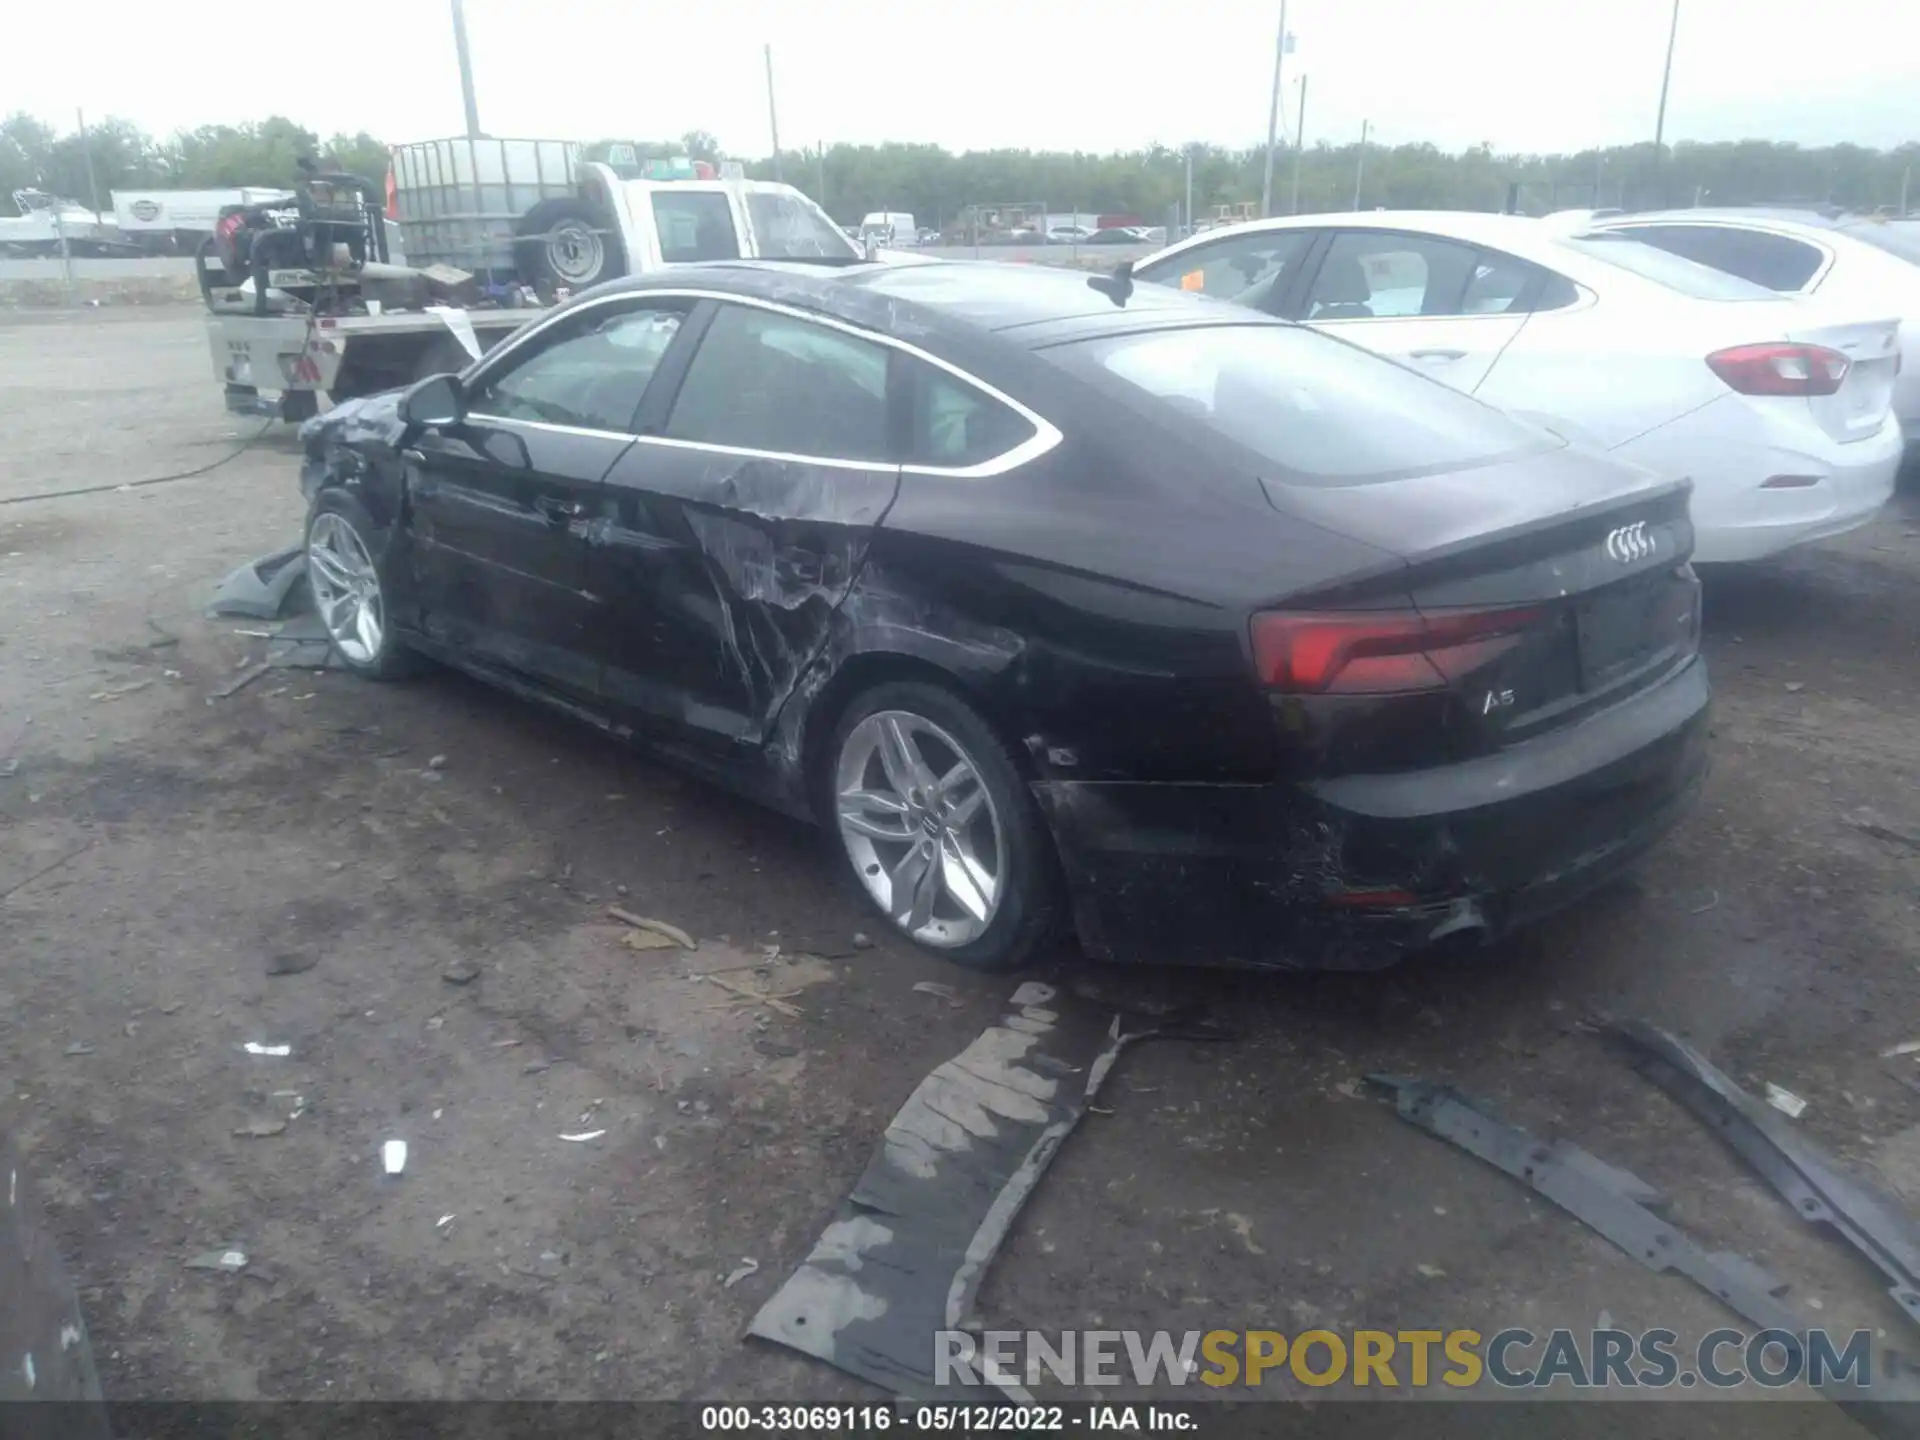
(279, 364)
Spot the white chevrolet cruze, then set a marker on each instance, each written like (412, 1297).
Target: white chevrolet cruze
(1778, 409)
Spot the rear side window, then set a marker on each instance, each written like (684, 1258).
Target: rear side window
(1379, 274)
(1778, 262)
(694, 225)
(1649, 262)
(1315, 407)
(765, 381)
(955, 425)
(1248, 269)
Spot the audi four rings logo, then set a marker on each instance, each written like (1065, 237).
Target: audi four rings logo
(1631, 542)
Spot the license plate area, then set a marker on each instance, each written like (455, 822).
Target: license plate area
(1619, 631)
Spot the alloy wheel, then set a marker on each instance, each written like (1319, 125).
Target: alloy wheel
(921, 828)
(346, 588)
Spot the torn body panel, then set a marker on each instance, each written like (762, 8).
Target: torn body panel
(1622, 1208)
(1806, 1178)
(908, 1248)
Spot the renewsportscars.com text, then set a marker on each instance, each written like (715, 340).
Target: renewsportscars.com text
(1514, 1359)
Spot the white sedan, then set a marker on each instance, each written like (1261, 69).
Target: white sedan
(1854, 260)
(1779, 410)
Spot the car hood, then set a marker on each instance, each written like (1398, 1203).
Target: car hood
(1417, 514)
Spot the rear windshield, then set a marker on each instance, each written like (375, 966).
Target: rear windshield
(1896, 237)
(791, 227)
(1319, 409)
(1701, 282)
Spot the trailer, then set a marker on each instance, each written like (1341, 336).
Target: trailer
(344, 322)
(167, 221)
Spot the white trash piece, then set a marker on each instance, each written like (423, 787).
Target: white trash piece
(393, 1156)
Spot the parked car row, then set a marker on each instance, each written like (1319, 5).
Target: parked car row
(1779, 407)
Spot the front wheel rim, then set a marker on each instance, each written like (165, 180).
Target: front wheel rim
(346, 589)
(921, 827)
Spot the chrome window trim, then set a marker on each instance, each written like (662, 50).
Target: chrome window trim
(1045, 435)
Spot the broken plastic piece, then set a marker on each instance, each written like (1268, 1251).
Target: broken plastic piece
(1804, 1176)
(227, 1260)
(393, 1156)
(584, 1136)
(254, 1047)
(748, 1266)
(259, 589)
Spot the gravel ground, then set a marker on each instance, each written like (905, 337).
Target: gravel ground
(309, 860)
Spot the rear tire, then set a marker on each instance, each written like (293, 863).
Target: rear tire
(567, 241)
(936, 825)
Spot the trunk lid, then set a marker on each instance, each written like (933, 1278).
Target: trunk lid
(1858, 409)
(1588, 556)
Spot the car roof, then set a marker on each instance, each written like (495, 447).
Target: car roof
(979, 295)
(1474, 226)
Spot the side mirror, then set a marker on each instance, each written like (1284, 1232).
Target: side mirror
(435, 400)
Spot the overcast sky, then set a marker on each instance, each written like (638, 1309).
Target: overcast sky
(975, 74)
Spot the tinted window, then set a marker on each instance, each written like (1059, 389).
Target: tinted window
(694, 225)
(1249, 269)
(791, 227)
(591, 374)
(1778, 262)
(765, 381)
(1314, 406)
(1376, 274)
(1498, 285)
(1701, 282)
(955, 425)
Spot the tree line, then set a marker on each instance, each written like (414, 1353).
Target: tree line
(938, 186)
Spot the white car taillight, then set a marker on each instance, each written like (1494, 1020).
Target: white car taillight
(1780, 368)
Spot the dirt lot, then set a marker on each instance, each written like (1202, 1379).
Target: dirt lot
(309, 825)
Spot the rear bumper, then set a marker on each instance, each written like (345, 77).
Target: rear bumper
(1267, 875)
(1731, 453)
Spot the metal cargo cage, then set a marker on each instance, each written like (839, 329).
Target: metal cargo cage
(458, 199)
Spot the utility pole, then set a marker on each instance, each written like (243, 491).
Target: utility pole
(1273, 114)
(1299, 145)
(773, 119)
(1360, 164)
(1189, 212)
(1660, 120)
(86, 149)
(466, 69)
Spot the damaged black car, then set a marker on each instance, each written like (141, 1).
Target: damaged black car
(1055, 601)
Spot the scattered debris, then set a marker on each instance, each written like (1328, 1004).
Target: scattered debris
(393, 1156)
(47, 869)
(1712, 900)
(1432, 1272)
(759, 997)
(461, 972)
(1872, 823)
(907, 1250)
(1794, 687)
(654, 940)
(748, 1266)
(254, 1047)
(262, 1129)
(443, 1222)
(1905, 1047)
(657, 927)
(292, 962)
(862, 940)
(934, 987)
(1804, 1176)
(584, 1136)
(1785, 1101)
(227, 1260)
(259, 590)
(302, 644)
(1622, 1208)
(76, 1049)
(437, 762)
(239, 682)
(132, 689)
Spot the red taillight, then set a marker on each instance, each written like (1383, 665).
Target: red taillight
(1781, 369)
(1376, 653)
